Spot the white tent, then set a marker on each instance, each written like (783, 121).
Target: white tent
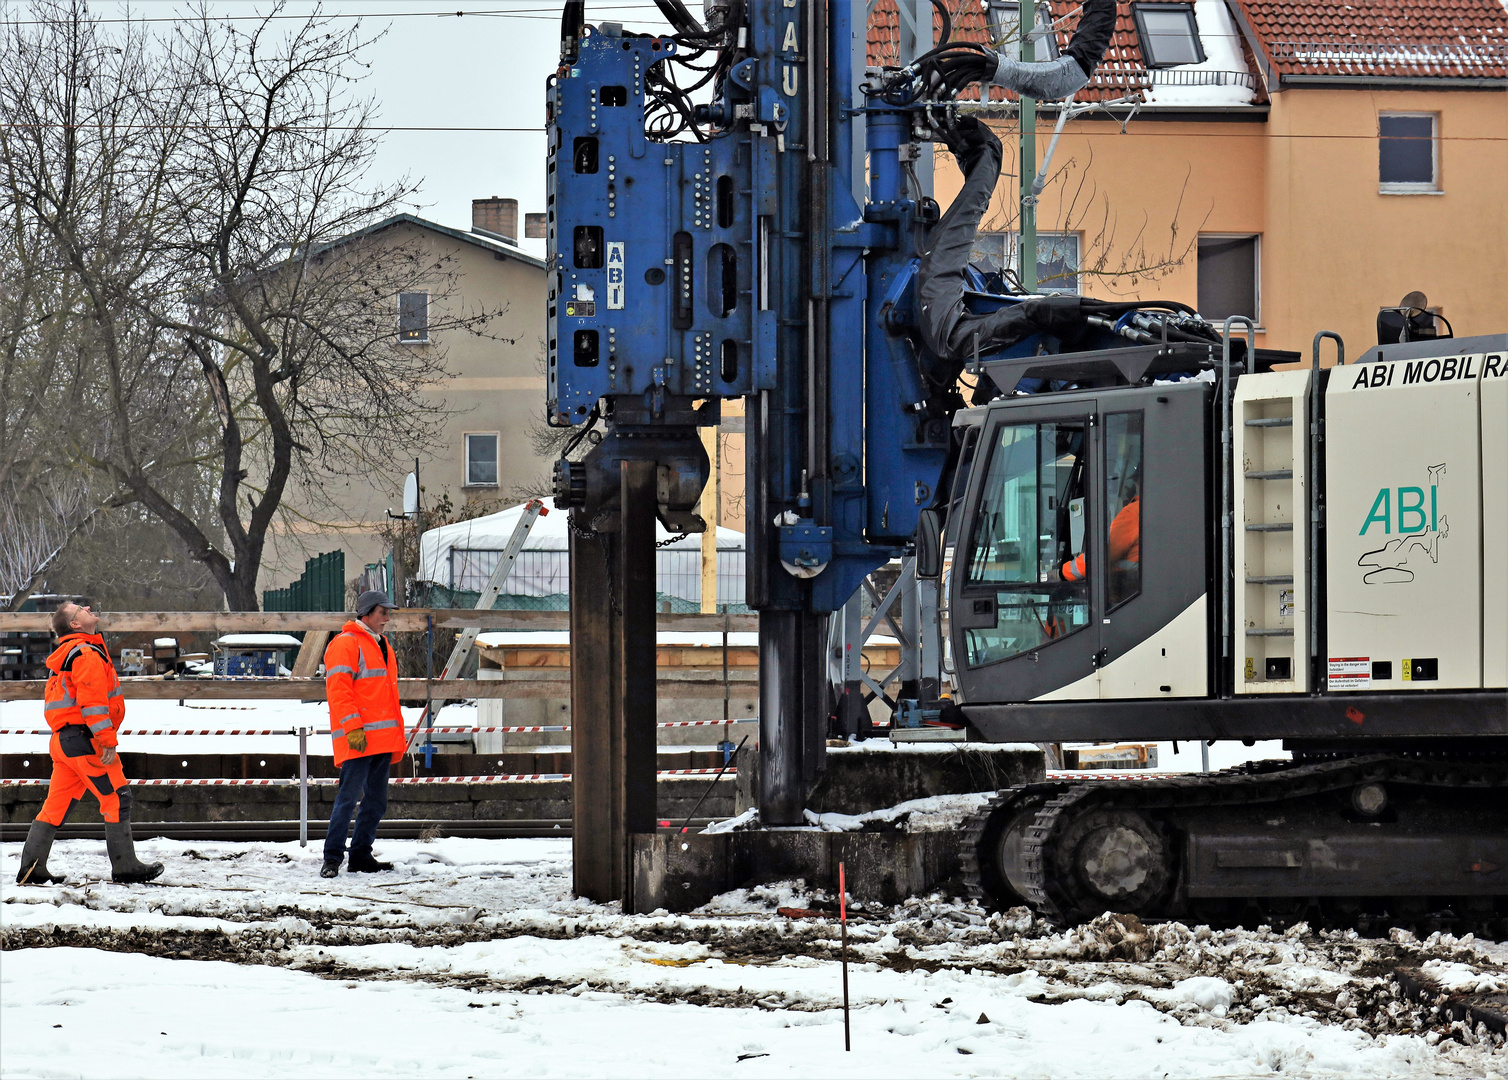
(462, 556)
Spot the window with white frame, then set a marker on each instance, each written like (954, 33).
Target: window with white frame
(1408, 157)
(481, 459)
(1005, 22)
(1057, 258)
(413, 318)
(1230, 277)
(1168, 33)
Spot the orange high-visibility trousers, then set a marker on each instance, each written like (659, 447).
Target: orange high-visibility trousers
(73, 777)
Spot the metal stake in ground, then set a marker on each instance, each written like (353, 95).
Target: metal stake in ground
(843, 923)
(687, 823)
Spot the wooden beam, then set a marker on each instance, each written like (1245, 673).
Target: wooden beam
(534, 683)
(310, 654)
(404, 619)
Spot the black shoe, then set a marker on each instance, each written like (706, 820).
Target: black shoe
(330, 869)
(365, 864)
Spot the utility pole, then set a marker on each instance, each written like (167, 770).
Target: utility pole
(1026, 248)
(712, 514)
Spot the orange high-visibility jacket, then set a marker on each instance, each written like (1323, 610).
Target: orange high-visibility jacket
(1125, 542)
(83, 689)
(361, 678)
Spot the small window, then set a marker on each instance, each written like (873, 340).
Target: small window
(1407, 158)
(1057, 258)
(481, 460)
(1168, 33)
(1058, 263)
(1005, 19)
(1123, 506)
(413, 317)
(1230, 275)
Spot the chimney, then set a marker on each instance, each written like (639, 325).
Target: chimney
(495, 217)
(534, 227)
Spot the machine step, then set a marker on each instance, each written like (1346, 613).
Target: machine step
(1271, 474)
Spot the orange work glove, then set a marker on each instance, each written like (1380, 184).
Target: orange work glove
(357, 740)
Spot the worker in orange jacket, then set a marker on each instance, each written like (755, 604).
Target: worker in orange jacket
(1124, 547)
(366, 726)
(84, 707)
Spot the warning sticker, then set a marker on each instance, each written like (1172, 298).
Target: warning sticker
(1350, 673)
(1285, 603)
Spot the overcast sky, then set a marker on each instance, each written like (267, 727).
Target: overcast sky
(484, 69)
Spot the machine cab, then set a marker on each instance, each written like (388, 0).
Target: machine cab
(1080, 535)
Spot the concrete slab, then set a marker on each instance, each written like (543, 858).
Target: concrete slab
(680, 872)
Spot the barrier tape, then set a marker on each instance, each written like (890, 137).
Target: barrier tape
(330, 780)
(313, 731)
(1106, 774)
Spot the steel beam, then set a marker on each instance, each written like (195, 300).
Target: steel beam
(792, 712)
(636, 641)
(597, 856)
(613, 689)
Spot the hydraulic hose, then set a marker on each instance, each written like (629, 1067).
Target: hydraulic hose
(1050, 80)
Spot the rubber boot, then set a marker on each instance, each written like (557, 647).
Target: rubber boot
(34, 855)
(125, 867)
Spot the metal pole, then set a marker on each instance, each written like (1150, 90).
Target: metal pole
(1204, 755)
(1316, 503)
(303, 787)
(1026, 251)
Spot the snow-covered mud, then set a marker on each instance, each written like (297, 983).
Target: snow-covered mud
(472, 959)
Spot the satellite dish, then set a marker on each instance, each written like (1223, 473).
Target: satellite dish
(411, 495)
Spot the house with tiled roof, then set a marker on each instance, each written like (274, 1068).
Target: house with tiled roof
(1301, 163)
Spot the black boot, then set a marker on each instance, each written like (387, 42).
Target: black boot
(363, 863)
(331, 868)
(34, 855)
(125, 867)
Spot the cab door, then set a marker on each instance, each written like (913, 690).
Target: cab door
(1024, 589)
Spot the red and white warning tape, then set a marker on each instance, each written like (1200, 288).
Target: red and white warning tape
(314, 731)
(496, 778)
(1100, 774)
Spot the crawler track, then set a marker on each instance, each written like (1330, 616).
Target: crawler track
(1050, 819)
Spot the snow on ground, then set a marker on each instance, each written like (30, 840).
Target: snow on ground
(472, 959)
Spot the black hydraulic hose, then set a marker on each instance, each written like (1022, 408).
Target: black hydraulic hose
(1092, 36)
(947, 27)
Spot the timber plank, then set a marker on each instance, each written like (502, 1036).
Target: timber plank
(404, 619)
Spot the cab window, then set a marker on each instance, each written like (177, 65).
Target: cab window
(1028, 527)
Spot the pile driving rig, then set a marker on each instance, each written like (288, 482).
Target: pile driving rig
(771, 244)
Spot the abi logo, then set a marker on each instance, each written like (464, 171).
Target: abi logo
(1419, 521)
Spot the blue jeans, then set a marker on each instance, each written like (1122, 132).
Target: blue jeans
(364, 779)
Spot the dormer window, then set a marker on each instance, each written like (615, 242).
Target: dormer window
(1168, 33)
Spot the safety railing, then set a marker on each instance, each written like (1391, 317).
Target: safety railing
(305, 781)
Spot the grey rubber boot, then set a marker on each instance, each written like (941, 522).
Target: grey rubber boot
(34, 855)
(124, 865)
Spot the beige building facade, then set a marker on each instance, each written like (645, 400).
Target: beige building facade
(494, 394)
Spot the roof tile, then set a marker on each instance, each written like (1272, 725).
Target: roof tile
(1412, 38)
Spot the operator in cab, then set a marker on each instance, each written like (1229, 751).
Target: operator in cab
(1124, 551)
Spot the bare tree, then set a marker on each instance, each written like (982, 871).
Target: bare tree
(206, 196)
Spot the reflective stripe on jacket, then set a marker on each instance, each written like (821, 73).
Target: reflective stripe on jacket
(361, 679)
(82, 688)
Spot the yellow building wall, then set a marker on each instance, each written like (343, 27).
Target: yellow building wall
(1339, 249)
(1333, 248)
